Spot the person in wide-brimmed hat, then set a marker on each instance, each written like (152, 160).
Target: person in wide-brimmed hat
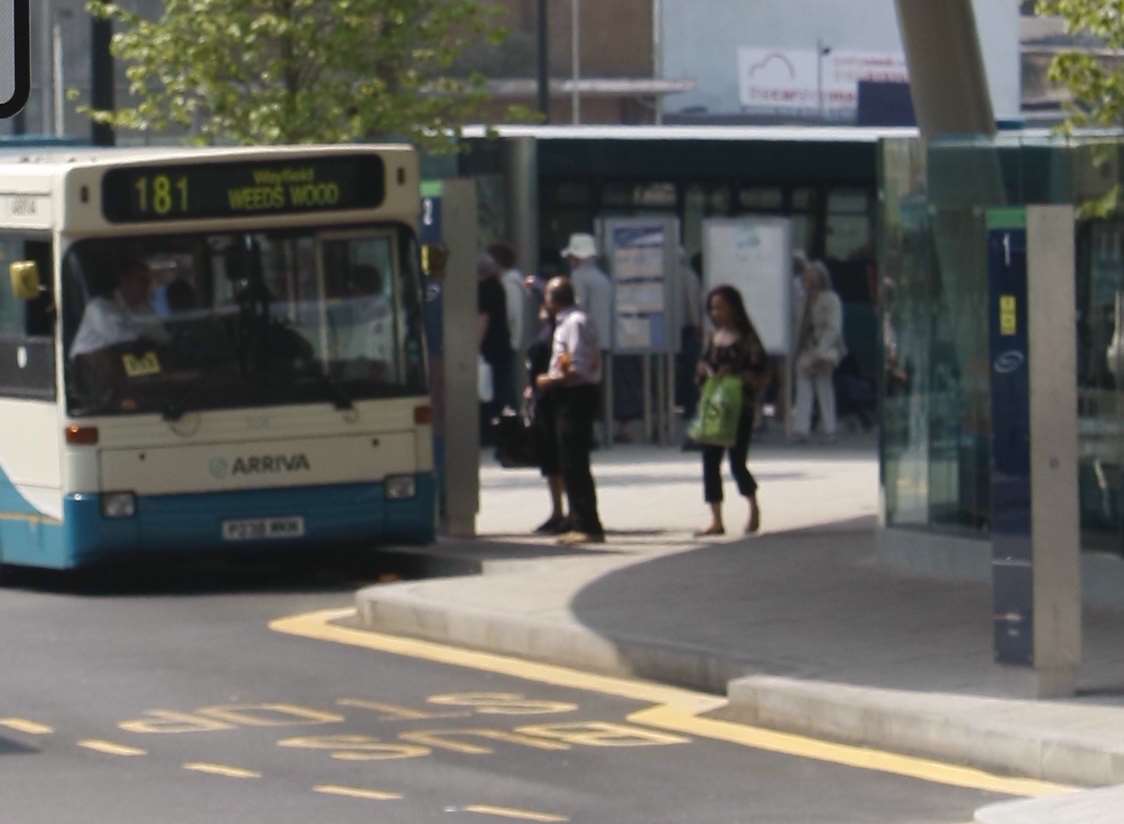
(592, 287)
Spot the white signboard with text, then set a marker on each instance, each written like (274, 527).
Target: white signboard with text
(754, 255)
(799, 80)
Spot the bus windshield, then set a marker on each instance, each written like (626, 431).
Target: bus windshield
(177, 323)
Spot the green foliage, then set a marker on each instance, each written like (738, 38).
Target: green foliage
(1097, 85)
(301, 71)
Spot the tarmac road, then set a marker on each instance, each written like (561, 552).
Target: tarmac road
(165, 696)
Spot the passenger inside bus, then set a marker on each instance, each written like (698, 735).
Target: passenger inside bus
(119, 315)
(362, 325)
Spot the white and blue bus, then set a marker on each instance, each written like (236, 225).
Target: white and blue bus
(207, 349)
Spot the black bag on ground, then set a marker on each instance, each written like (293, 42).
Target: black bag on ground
(515, 440)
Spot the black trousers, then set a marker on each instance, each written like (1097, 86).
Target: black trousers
(575, 408)
(712, 460)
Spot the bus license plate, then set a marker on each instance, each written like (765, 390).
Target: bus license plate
(262, 529)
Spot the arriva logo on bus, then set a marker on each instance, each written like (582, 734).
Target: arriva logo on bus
(260, 464)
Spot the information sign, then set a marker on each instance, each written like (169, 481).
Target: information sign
(754, 255)
(232, 189)
(641, 258)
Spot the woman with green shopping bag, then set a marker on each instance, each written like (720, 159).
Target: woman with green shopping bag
(733, 368)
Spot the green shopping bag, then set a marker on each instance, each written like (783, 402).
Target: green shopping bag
(720, 407)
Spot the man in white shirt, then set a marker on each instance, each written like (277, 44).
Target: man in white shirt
(572, 382)
(124, 317)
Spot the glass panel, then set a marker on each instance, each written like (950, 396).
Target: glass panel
(639, 194)
(936, 418)
(848, 236)
(656, 194)
(802, 231)
(694, 207)
(572, 193)
(854, 201)
(719, 201)
(1100, 376)
(762, 198)
(171, 323)
(804, 200)
(849, 225)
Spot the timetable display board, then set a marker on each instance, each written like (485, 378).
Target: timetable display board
(643, 264)
(153, 193)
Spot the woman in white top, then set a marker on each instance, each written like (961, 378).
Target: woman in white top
(818, 351)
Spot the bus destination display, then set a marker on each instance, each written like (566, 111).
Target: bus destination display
(214, 190)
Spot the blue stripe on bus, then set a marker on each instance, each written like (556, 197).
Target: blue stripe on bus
(336, 514)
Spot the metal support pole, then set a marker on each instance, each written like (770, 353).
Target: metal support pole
(46, 79)
(657, 53)
(576, 58)
(522, 172)
(819, 77)
(101, 78)
(544, 61)
(57, 85)
(646, 385)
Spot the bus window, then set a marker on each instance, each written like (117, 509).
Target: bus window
(27, 352)
(171, 323)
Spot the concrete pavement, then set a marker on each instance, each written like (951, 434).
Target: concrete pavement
(797, 626)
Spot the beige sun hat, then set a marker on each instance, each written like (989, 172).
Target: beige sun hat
(581, 246)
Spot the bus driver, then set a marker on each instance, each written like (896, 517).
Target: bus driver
(122, 317)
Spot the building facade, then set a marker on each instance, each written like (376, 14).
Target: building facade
(803, 60)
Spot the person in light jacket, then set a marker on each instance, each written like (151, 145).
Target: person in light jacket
(819, 349)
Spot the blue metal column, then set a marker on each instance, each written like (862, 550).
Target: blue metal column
(1012, 556)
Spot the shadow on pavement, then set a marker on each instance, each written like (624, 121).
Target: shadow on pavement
(812, 604)
(10, 747)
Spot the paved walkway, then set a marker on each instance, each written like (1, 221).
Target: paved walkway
(798, 625)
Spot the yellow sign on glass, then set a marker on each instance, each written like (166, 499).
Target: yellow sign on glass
(1008, 322)
(138, 367)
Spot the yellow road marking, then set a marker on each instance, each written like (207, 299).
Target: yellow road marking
(668, 718)
(318, 626)
(110, 748)
(393, 712)
(220, 769)
(509, 812)
(676, 709)
(356, 792)
(23, 725)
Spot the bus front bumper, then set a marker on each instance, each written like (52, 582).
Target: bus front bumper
(332, 515)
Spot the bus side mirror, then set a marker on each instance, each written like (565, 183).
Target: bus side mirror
(25, 279)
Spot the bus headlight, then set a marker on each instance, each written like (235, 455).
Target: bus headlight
(400, 486)
(118, 505)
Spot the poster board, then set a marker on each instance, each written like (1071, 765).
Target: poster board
(642, 257)
(754, 255)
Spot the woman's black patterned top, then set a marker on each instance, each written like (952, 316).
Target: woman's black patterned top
(745, 357)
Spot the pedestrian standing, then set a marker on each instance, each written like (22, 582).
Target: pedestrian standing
(733, 349)
(819, 350)
(544, 427)
(593, 291)
(495, 342)
(572, 383)
(514, 293)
